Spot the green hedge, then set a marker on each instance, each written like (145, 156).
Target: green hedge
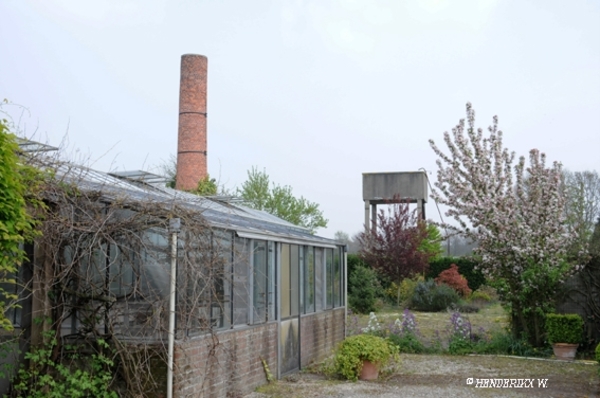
(564, 328)
(466, 267)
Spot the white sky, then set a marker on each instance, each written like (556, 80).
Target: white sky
(315, 92)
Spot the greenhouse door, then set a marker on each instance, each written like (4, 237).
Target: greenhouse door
(289, 327)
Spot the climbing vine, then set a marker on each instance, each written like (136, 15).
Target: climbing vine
(18, 185)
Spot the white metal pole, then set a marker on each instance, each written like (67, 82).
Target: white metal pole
(345, 291)
(174, 225)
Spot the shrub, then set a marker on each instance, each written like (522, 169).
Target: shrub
(363, 289)
(456, 281)
(466, 267)
(564, 328)
(429, 296)
(407, 289)
(354, 350)
(480, 297)
(88, 376)
(460, 346)
(598, 356)
(353, 262)
(503, 343)
(408, 343)
(487, 290)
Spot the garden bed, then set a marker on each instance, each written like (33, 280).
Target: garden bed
(430, 325)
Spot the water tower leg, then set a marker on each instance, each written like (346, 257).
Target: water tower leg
(374, 217)
(367, 219)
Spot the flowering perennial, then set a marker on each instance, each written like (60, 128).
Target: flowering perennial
(373, 327)
(409, 325)
(460, 328)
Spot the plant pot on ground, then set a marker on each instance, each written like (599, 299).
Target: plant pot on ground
(354, 351)
(564, 332)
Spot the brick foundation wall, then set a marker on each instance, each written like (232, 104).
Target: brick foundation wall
(226, 364)
(319, 334)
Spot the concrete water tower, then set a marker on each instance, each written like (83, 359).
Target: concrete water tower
(380, 188)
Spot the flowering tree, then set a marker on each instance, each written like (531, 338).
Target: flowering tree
(395, 248)
(516, 213)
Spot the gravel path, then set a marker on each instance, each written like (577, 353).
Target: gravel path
(423, 376)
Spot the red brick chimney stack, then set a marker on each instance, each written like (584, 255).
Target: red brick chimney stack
(191, 144)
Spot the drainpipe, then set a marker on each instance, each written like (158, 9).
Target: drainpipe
(345, 291)
(174, 227)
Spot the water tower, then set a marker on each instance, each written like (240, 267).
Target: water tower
(381, 188)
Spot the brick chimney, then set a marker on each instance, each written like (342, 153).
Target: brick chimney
(191, 144)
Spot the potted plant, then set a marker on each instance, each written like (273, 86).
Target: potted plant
(362, 356)
(564, 332)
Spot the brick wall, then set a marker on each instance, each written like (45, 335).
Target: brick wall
(319, 334)
(227, 364)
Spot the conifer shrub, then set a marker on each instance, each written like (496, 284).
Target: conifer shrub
(363, 290)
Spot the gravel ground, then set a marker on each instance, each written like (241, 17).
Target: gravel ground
(422, 376)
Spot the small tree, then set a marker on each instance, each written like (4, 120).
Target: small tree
(393, 247)
(343, 237)
(455, 280)
(206, 187)
(594, 244)
(432, 244)
(516, 215)
(280, 201)
(582, 208)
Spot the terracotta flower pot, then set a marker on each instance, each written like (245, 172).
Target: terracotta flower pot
(370, 371)
(564, 351)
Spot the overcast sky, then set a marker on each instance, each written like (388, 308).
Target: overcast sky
(315, 92)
